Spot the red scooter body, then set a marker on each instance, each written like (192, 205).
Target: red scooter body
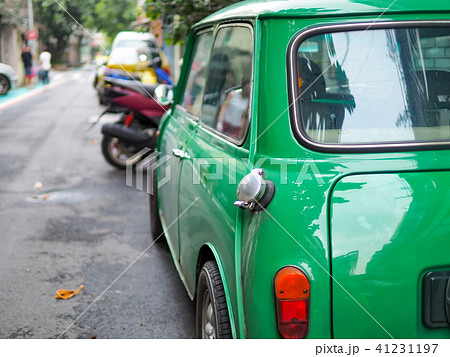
(136, 102)
(124, 141)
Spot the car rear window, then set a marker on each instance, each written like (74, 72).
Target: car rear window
(373, 86)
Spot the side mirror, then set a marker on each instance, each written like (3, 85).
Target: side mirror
(164, 94)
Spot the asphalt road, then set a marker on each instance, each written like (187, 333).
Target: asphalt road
(83, 226)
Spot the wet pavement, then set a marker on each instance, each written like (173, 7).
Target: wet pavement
(67, 218)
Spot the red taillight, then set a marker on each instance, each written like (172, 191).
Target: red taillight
(292, 302)
(128, 120)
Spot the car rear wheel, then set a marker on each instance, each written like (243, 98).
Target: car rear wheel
(4, 85)
(212, 311)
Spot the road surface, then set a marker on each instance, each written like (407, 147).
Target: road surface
(67, 218)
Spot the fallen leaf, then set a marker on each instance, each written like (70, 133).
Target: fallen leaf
(67, 294)
(38, 185)
(41, 197)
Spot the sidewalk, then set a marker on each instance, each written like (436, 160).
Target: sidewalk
(17, 94)
(18, 91)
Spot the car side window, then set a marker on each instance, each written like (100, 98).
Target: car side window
(193, 93)
(227, 94)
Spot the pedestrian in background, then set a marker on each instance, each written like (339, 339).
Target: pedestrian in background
(28, 64)
(45, 65)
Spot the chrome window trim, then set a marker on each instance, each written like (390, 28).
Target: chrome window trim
(294, 103)
(186, 79)
(189, 116)
(207, 127)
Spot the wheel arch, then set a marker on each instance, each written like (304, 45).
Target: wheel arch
(208, 252)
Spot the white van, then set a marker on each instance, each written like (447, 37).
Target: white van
(137, 40)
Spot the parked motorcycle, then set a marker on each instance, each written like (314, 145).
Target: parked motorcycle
(122, 141)
(149, 73)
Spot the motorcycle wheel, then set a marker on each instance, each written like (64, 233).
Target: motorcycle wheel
(119, 154)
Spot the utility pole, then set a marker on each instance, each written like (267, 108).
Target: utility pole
(30, 16)
(31, 41)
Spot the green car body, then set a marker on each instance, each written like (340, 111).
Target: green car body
(364, 219)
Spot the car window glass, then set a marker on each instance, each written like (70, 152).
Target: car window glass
(376, 86)
(193, 93)
(227, 94)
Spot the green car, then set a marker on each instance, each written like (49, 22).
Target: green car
(303, 171)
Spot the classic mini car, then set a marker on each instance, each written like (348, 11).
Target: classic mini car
(303, 171)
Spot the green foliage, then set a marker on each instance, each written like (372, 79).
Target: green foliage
(111, 16)
(58, 23)
(186, 13)
(65, 17)
(59, 20)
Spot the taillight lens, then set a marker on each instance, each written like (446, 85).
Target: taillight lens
(292, 302)
(128, 120)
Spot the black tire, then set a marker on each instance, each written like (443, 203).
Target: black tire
(101, 100)
(124, 152)
(213, 320)
(95, 83)
(155, 222)
(4, 85)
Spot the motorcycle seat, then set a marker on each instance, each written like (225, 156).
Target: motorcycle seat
(147, 90)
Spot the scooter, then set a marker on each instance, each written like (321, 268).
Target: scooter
(124, 140)
(154, 73)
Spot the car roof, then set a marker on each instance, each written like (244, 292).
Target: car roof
(308, 8)
(134, 35)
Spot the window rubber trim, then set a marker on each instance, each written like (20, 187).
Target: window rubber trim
(293, 92)
(248, 25)
(185, 78)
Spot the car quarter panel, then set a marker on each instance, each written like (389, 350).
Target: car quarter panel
(386, 234)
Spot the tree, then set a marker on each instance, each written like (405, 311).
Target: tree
(65, 17)
(60, 21)
(186, 12)
(112, 16)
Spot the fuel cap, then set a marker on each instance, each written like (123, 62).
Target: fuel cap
(252, 186)
(254, 191)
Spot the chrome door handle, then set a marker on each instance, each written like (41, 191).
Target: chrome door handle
(180, 153)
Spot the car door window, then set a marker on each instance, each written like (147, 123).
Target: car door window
(193, 94)
(227, 94)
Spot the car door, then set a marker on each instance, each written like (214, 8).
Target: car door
(216, 157)
(176, 133)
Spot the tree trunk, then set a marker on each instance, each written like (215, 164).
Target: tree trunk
(59, 50)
